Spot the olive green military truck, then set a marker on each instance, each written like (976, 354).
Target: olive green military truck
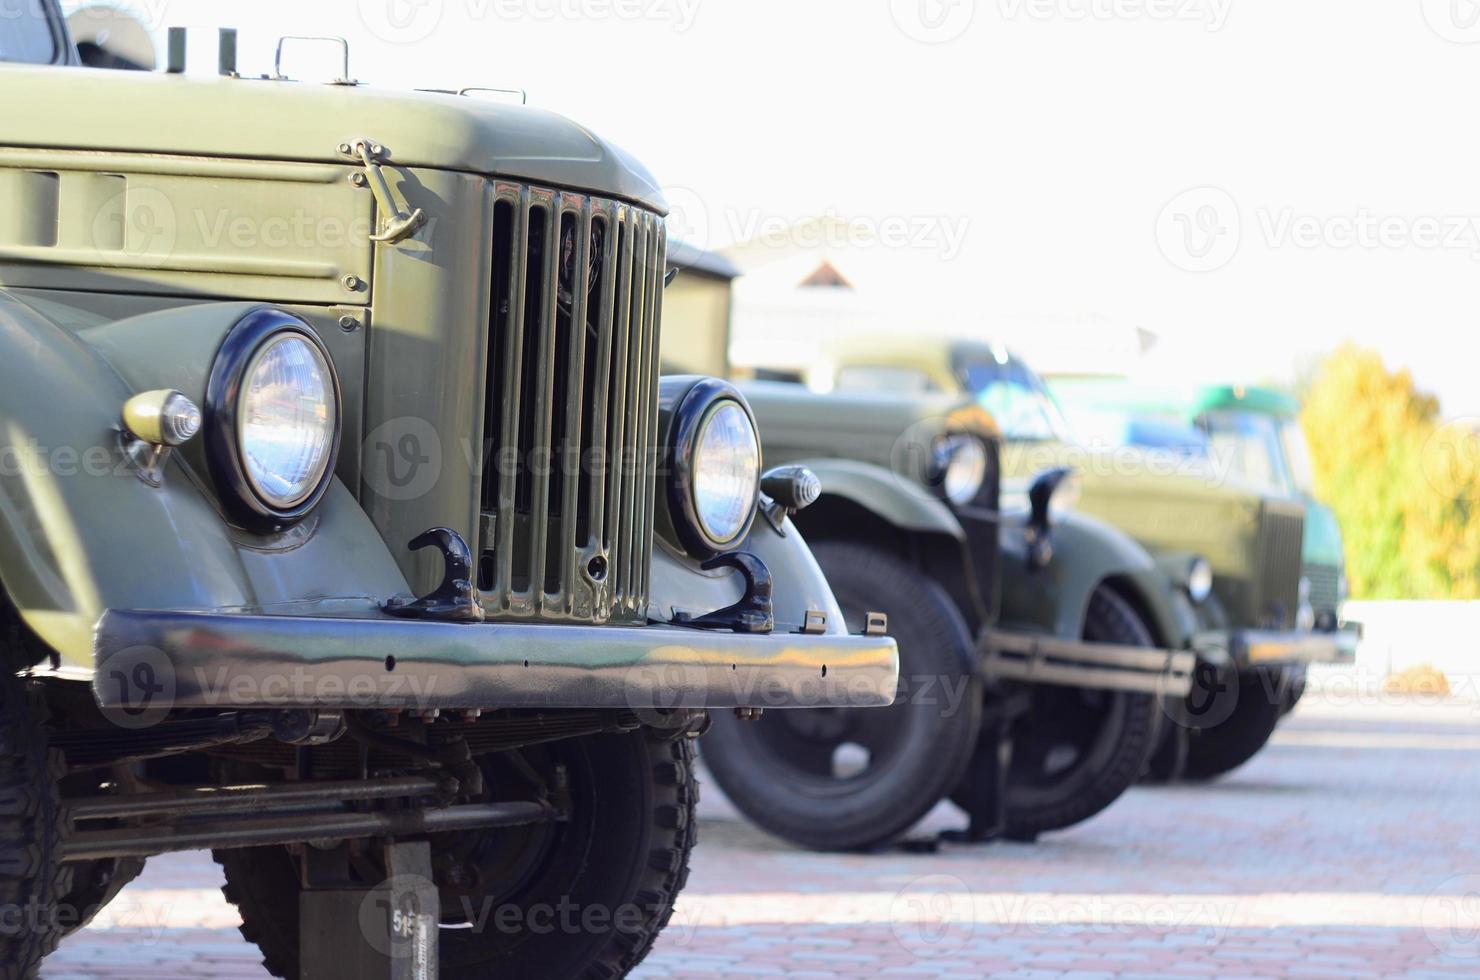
(1036, 643)
(347, 529)
(1234, 543)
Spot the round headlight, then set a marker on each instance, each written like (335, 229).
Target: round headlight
(963, 467)
(286, 420)
(1200, 580)
(726, 472)
(272, 420)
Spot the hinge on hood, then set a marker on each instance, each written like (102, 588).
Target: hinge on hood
(399, 225)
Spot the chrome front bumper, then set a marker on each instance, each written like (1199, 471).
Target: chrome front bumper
(1258, 648)
(1031, 658)
(148, 660)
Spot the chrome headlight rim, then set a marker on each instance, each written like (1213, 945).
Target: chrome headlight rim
(1199, 583)
(691, 419)
(952, 450)
(246, 505)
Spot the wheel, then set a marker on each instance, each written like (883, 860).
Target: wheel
(857, 778)
(1292, 689)
(624, 852)
(33, 881)
(1076, 749)
(1220, 749)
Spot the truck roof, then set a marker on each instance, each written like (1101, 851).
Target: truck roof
(150, 112)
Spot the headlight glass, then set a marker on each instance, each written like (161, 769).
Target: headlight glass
(286, 420)
(964, 465)
(726, 472)
(1200, 580)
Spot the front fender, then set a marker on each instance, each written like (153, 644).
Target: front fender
(679, 587)
(1088, 552)
(894, 499)
(81, 533)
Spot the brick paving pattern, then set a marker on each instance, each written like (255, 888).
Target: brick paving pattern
(1349, 848)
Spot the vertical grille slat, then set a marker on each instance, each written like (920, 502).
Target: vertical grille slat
(538, 453)
(616, 434)
(1280, 538)
(655, 346)
(571, 412)
(570, 448)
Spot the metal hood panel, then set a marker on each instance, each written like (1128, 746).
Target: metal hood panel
(93, 109)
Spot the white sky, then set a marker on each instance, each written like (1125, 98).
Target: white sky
(1060, 134)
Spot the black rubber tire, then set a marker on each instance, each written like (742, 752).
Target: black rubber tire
(626, 847)
(1125, 732)
(1292, 689)
(33, 881)
(94, 885)
(1216, 751)
(924, 740)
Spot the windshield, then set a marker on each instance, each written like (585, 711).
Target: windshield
(1297, 457)
(27, 33)
(1017, 400)
(1250, 444)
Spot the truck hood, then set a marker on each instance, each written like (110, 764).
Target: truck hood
(139, 112)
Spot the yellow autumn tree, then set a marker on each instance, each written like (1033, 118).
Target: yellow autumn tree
(1405, 487)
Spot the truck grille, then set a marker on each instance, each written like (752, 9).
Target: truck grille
(571, 412)
(1277, 564)
(1325, 587)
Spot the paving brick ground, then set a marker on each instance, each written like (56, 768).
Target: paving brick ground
(1349, 848)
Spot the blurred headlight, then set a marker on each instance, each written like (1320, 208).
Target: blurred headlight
(726, 472)
(286, 420)
(1200, 580)
(962, 464)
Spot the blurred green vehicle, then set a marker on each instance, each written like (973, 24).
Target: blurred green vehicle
(1257, 430)
(347, 529)
(1235, 542)
(1038, 644)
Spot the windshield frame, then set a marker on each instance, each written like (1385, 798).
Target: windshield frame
(1014, 372)
(61, 41)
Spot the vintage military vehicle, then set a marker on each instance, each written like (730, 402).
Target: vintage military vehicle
(1029, 634)
(1255, 432)
(347, 529)
(1256, 627)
